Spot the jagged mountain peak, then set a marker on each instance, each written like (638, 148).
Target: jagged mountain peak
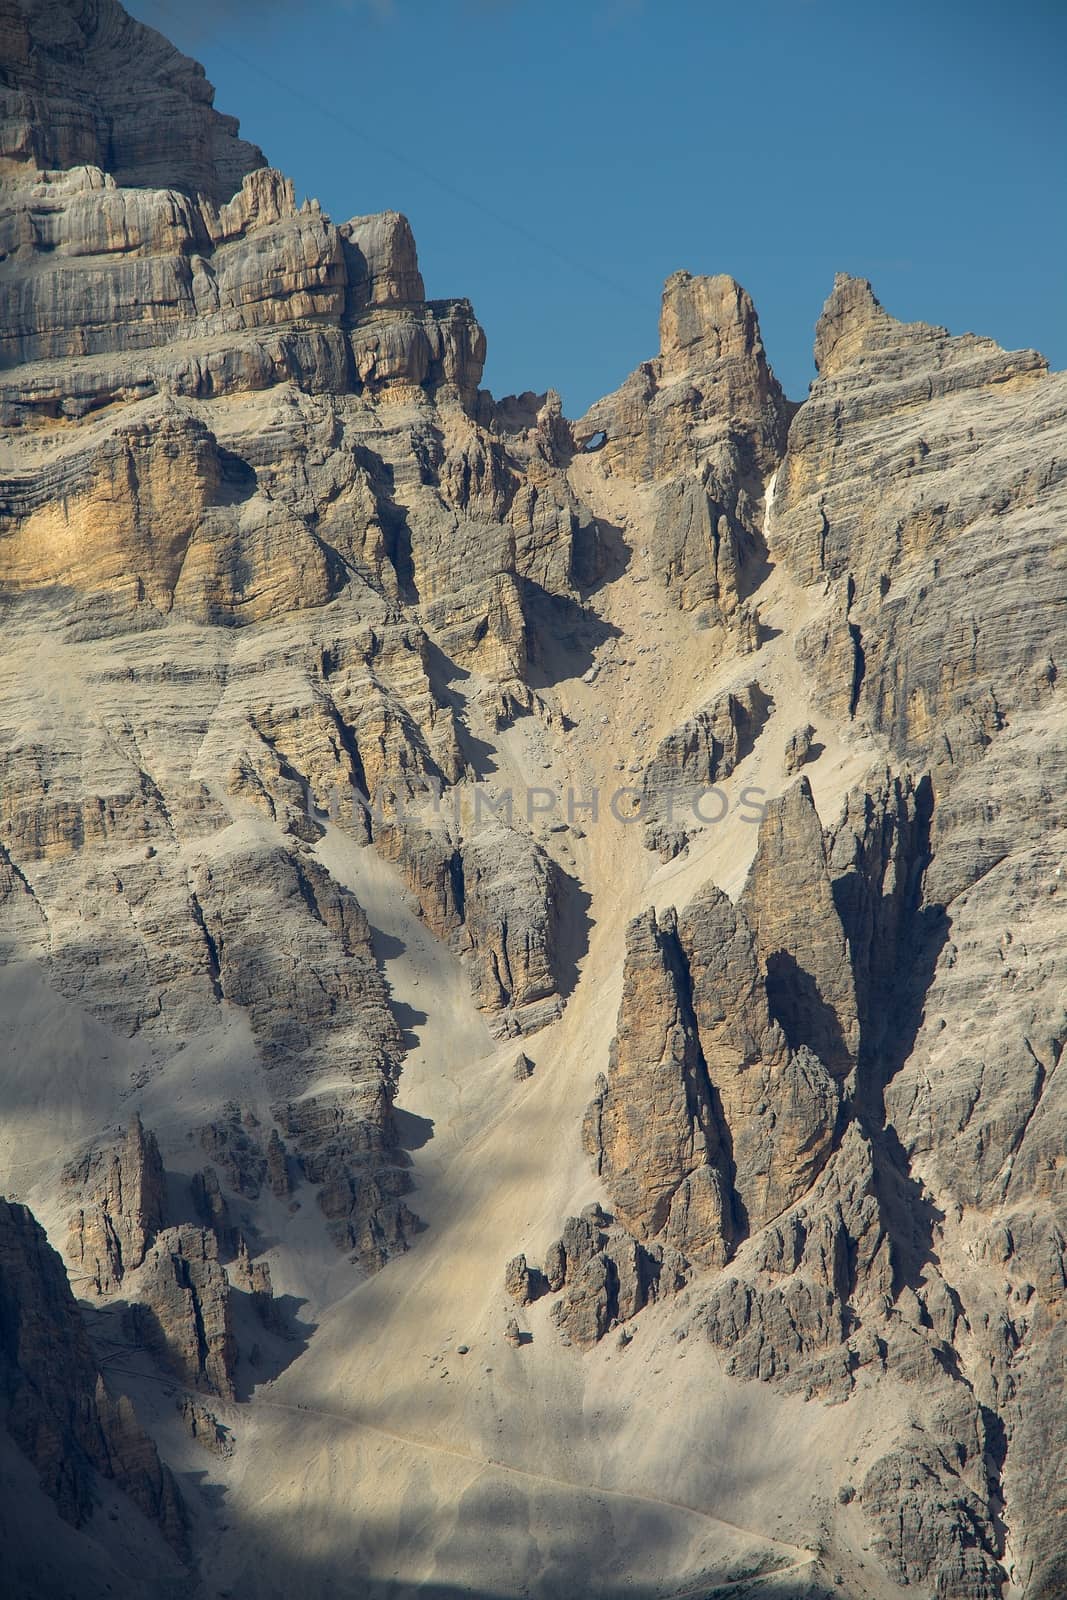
(698, 311)
(854, 327)
(87, 85)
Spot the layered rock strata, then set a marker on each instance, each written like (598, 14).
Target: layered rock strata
(283, 587)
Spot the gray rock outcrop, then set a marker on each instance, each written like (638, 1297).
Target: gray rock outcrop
(704, 425)
(120, 1191)
(694, 758)
(58, 1409)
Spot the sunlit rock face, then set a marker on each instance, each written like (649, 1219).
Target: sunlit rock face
(532, 952)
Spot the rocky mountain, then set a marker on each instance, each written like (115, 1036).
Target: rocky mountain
(531, 950)
(57, 1408)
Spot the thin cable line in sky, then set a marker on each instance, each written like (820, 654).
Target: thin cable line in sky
(294, 92)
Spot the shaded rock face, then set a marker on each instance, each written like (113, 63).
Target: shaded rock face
(122, 1195)
(203, 1425)
(252, 1163)
(170, 1277)
(348, 1148)
(234, 1145)
(57, 1408)
(183, 1314)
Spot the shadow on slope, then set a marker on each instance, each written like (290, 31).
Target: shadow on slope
(537, 1546)
(564, 636)
(573, 925)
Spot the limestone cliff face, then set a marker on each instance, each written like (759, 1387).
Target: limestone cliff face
(183, 1315)
(816, 1209)
(86, 85)
(121, 1194)
(143, 309)
(837, 1007)
(703, 426)
(925, 466)
(57, 1407)
(170, 1277)
(295, 616)
(693, 758)
(798, 934)
(756, 1002)
(653, 1128)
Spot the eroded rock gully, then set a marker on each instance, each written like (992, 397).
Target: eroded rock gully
(760, 1233)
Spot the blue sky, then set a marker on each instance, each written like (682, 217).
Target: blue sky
(558, 160)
